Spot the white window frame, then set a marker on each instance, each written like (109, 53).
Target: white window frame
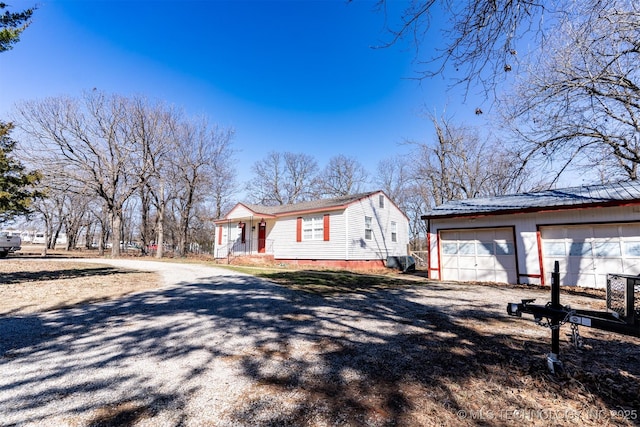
(394, 231)
(313, 228)
(368, 230)
(381, 201)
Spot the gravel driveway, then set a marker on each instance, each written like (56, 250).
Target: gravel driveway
(214, 347)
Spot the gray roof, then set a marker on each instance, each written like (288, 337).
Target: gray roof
(314, 205)
(562, 198)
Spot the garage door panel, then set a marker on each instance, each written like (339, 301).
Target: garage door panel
(587, 253)
(631, 266)
(606, 231)
(482, 255)
(630, 231)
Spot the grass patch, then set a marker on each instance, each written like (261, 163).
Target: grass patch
(333, 282)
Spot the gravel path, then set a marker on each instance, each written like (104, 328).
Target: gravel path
(214, 347)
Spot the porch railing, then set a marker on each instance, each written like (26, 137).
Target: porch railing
(247, 248)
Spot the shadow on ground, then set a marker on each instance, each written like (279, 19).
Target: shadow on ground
(72, 273)
(418, 355)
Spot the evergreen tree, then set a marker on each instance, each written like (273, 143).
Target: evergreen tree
(17, 187)
(11, 25)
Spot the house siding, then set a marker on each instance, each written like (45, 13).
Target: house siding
(380, 246)
(286, 245)
(239, 212)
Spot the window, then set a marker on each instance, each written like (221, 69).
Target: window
(449, 248)
(394, 231)
(313, 228)
(368, 232)
(381, 201)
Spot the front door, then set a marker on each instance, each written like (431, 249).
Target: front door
(262, 237)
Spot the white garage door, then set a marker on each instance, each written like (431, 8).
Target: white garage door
(486, 255)
(587, 253)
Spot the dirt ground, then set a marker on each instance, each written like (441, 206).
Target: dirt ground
(37, 285)
(461, 363)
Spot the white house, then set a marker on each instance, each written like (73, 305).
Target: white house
(355, 231)
(591, 231)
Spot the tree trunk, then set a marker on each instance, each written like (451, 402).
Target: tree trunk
(116, 227)
(144, 218)
(160, 232)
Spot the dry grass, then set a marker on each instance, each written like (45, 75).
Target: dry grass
(37, 285)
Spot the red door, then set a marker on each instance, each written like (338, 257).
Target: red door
(262, 234)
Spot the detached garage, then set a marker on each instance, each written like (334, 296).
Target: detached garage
(591, 231)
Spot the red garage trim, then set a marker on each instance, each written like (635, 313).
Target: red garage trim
(541, 263)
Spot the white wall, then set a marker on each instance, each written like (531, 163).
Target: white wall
(380, 246)
(285, 245)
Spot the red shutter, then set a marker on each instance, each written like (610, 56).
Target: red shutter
(220, 235)
(326, 228)
(299, 229)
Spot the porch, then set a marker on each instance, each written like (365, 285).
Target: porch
(250, 247)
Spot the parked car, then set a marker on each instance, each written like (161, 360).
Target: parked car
(9, 243)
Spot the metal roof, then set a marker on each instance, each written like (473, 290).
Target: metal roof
(562, 198)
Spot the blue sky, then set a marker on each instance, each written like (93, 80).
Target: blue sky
(295, 75)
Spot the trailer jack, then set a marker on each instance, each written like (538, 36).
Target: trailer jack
(622, 315)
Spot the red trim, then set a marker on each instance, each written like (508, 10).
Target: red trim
(430, 270)
(438, 251)
(533, 276)
(326, 227)
(220, 235)
(539, 240)
(299, 229)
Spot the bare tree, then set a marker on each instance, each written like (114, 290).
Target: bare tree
(460, 165)
(480, 39)
(283, 178)
(89, 141)
(579, 105)
(342, 176)
(75, 216)
(395, 176)
(200, 151)
(151, 127)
